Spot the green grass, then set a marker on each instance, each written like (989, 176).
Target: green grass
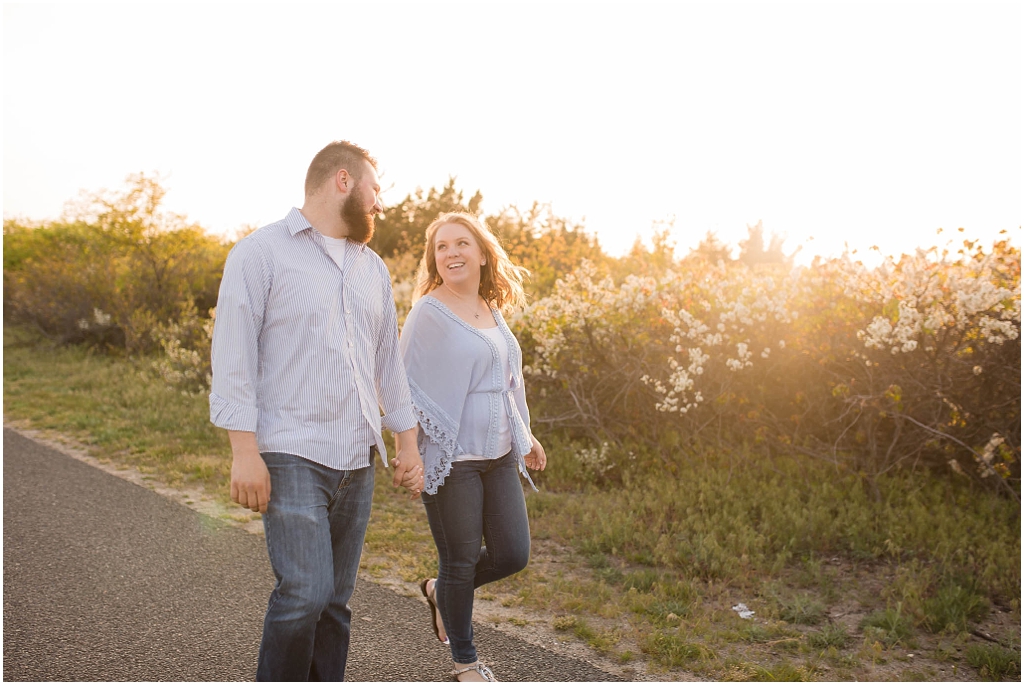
(600, 641)
(783, 672)
(564, 622)
(815, 574)
(954, 607)
(763, 633)
(732, 525)
(643, 580)
(116, 405)
(651, 567)
(398, 540)
(889, 626)
(994, 662)
(832, 635)
(802, 608)
(669, 649)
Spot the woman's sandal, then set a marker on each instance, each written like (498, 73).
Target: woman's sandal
(435, 620)
(484, 672)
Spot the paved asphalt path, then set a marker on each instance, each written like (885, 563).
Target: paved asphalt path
(106, 580)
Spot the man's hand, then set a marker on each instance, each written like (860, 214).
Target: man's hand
(250, 480)
(536, 459)
(407, 463)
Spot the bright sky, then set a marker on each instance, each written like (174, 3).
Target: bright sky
(860, 123)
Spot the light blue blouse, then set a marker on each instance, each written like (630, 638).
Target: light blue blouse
(458, 389)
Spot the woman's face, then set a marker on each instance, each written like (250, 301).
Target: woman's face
(458, 256)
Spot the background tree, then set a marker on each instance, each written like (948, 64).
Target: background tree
(112, 270)
(404, 226)
(548, 245)
(710, 250)
(753, 250)
(644, 261)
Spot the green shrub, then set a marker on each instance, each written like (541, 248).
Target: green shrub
(994, 662)
(598, 640)
(755, 633)
(642, 581)
(954, 607)
(662, 610)
(783, 672)
(802, 608)
(891, 626)
(832, 635)
(112, 272)
(914, 362)
(564, 622)
(734, 515)
(672, 651)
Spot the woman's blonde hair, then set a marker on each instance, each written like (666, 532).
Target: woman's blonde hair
(501, 281)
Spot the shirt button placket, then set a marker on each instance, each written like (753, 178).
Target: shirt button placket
(348, 318)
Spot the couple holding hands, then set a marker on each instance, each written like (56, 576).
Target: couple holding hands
(306, 356)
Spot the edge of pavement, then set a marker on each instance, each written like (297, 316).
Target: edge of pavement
(537, 632)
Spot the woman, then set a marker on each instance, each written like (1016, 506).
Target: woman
(466, 377)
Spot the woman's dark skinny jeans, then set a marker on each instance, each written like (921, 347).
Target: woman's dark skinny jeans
(479, 499)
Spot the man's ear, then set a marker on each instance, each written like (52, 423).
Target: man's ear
(342, 180)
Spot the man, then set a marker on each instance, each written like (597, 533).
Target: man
(305, 356)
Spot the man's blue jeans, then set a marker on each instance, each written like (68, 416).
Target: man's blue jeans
(478, 499)
(315, 525)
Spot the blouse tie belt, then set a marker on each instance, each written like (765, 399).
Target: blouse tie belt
(520, 440)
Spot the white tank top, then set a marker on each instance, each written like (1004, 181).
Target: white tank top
(504, 424)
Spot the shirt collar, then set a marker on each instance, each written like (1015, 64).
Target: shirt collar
(297, 223)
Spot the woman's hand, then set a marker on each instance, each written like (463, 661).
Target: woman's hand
(407, 463)
(536, 459)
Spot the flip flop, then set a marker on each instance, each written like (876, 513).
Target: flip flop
(433, 612)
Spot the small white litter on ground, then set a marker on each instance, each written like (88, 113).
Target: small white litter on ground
(743, 611)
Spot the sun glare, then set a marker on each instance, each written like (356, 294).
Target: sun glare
(833, 124)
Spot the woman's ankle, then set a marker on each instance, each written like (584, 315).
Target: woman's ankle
(474, 672)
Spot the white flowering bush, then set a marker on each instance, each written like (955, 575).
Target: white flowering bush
(588, 348)
(915, 361)
(723, 323)
(658, 360)
(595, 461)
(185, 363)
(939, 372)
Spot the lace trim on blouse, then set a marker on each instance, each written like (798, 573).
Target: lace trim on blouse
(441, 430)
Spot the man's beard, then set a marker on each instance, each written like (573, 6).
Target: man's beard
(360, 224)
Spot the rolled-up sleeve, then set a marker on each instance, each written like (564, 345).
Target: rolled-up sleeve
(391, 381)
(234, 353)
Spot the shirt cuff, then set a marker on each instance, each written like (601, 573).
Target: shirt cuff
(232, 416)
(400, 420)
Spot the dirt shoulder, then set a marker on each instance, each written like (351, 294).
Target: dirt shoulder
(568, 603)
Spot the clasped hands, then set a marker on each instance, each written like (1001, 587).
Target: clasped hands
(408, 464)
(408, 474)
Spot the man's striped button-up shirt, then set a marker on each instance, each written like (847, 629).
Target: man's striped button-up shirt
(304, 355)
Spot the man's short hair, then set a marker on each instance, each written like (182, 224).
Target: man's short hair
(340, 154)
